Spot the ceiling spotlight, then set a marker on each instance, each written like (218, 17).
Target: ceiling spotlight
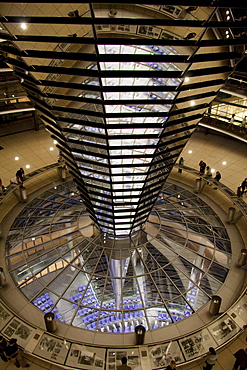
(33, 239)
(13, 95)
(28, 166)
(190, 151)
(16, 158)
(192, 102)
(228, 17)
(54, 141)
(227, 32)
(227, 36)
(24, 26)
(186, 79)
(212, 170)
(51, 148)
(227, 12)
(224, 163)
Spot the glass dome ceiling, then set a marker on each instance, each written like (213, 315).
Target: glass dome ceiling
(62, 263)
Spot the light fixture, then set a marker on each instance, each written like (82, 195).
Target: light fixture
(186, 79)
(224, 163)
(192, 102)
(227, 36)
(227, 32)
(227, 12)
(212, 170)
(24, 26)
(16, 158)
(4, 94)
(27, 165)
(55, 187)
(190, 151)
(51, 148)
(228, 17)
(13, 95)
(54, 141)
(33, 239)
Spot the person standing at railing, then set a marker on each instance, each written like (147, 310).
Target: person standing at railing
(202, 166)
(243, 124)
(2, 187)
(231, 123)
(217, 177)
(20, 175)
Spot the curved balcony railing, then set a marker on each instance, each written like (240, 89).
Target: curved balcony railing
(74, 354)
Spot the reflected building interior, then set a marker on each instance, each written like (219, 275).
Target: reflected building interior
(179, 261)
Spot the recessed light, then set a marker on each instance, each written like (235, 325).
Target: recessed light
(33, 239)
(27, 165)
(227, 32)
(227, 36)
(228, 17)
(13, 96)
(51, 148)
(16, 158)
(192, 102)
(212, 170)
(227, 12)
(190, 151)
(24, 26)
(54, 141)
(224, 163)
(186, 79)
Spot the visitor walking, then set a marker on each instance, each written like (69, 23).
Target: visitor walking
(243, 186)
(180, 165)
(211, 359)
(14, 354)
(3, 345)
(241, 359)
